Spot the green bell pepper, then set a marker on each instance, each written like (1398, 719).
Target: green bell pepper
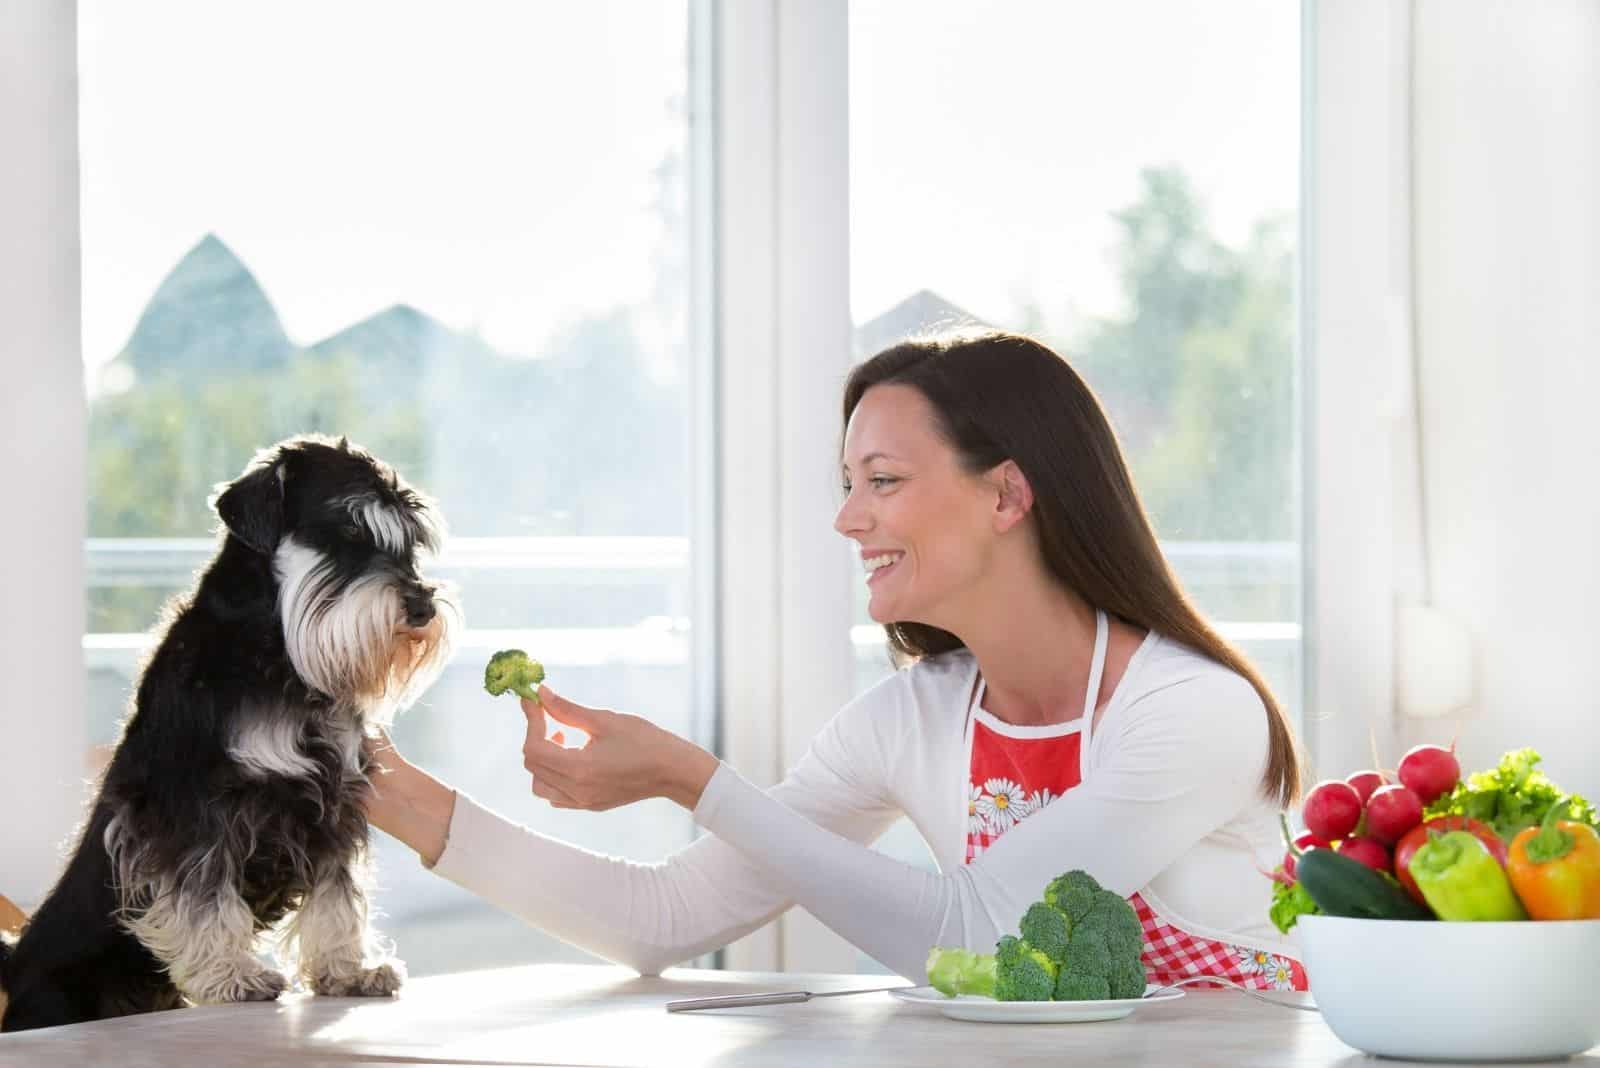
(1461, 880)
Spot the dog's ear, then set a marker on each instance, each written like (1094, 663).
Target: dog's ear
(252, 507)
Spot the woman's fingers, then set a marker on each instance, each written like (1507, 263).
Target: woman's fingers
(557, 771)
(549, 757)
(588, 720)
(569, 787)
(384, 754)
(617, 765)
(564, 792)
(543, 787)
(534, 712)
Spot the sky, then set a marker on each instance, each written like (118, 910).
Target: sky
(491, 161)
(991, 141)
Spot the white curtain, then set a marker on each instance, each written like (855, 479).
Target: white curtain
(42, 426)
(1505, 169)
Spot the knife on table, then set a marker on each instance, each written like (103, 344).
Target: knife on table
(785, 997)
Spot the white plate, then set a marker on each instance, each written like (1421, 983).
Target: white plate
(988, 1010)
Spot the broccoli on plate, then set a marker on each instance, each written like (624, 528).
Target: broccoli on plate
(1022, 972)
(961, 971)
(1080, 943)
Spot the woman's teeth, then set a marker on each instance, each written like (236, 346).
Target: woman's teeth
(875, 564)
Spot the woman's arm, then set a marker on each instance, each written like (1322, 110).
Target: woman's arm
(410, 804)
(647, 916)
(1180, 768)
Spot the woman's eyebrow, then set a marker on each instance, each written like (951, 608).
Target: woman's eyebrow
(871, 456)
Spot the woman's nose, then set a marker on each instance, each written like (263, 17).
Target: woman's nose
(850, 517)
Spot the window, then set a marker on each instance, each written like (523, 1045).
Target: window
(460, 238)
(1121, 180)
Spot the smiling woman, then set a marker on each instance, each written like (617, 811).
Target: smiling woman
(1054, 676)
(971, 427)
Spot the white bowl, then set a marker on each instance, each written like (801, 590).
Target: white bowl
(1432, 990)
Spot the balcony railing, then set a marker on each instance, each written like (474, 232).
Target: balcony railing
(661, 562)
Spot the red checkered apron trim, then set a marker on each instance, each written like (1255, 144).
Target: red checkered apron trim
(1011, 777)
(1171, 954)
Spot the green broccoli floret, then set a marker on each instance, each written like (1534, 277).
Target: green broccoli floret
(1103, 953)
(1082, 986)
(1092, 935)
(1008, 949)
(1023, 973)
(1081, 943)
(513, 669)
(1112, 922)
(961, 971)
(1072, 893)
(1096, 977)
(1128, 978)
(1045, 928)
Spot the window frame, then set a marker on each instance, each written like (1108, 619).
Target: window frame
(776, 322)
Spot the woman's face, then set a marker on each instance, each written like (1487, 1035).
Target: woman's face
(923, 524)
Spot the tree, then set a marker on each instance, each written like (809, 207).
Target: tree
(1198, 373)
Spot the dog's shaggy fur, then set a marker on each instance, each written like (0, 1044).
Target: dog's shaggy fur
(234, 801)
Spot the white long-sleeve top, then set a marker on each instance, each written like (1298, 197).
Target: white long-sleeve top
(1170, 805)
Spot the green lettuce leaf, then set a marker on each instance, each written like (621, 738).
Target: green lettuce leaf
(1290, 902)
(1513, 795)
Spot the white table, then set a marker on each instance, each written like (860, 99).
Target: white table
(589, 1015)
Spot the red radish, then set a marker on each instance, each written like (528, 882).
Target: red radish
(1368, 851)
(1430, 771)
(1392, 812)
(1332, 809)
(1416, 836)
(1303, 843)
(1365, 782)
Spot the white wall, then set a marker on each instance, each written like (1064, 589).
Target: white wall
(1452, 334)
(1507, 215)
(1354, 293)
(42, 428)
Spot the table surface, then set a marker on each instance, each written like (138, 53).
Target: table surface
(591, 1015)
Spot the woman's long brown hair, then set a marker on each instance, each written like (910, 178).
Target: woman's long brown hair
(1000, 396)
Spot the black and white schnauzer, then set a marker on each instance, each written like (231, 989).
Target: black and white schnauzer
(234, 801)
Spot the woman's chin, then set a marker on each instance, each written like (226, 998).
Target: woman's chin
(877, 611)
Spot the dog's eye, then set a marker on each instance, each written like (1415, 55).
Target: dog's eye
(351, 531)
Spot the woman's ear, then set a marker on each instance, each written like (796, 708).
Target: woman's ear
(1013, 495)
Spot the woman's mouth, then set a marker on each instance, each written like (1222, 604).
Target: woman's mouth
(880, 565)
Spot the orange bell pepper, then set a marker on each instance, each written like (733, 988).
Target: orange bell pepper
(1555, 868)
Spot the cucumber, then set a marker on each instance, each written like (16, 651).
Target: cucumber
(1344, 887)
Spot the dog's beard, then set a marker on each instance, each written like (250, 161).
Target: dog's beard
(352, 642)
(419, 654)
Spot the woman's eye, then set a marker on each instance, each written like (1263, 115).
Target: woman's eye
(880, 481)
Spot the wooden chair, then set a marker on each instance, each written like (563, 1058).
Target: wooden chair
(11, 917)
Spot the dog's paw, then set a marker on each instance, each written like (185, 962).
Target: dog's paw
(378, 982)
(262, 984)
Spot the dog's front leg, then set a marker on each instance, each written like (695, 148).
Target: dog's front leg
(337, 950)
(204, 933)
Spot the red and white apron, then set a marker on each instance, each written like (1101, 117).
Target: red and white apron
(1016, 771)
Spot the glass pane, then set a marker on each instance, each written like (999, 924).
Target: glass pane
(1120, 180)
(456, 235)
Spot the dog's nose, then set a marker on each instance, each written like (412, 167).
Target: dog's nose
(419, 608)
